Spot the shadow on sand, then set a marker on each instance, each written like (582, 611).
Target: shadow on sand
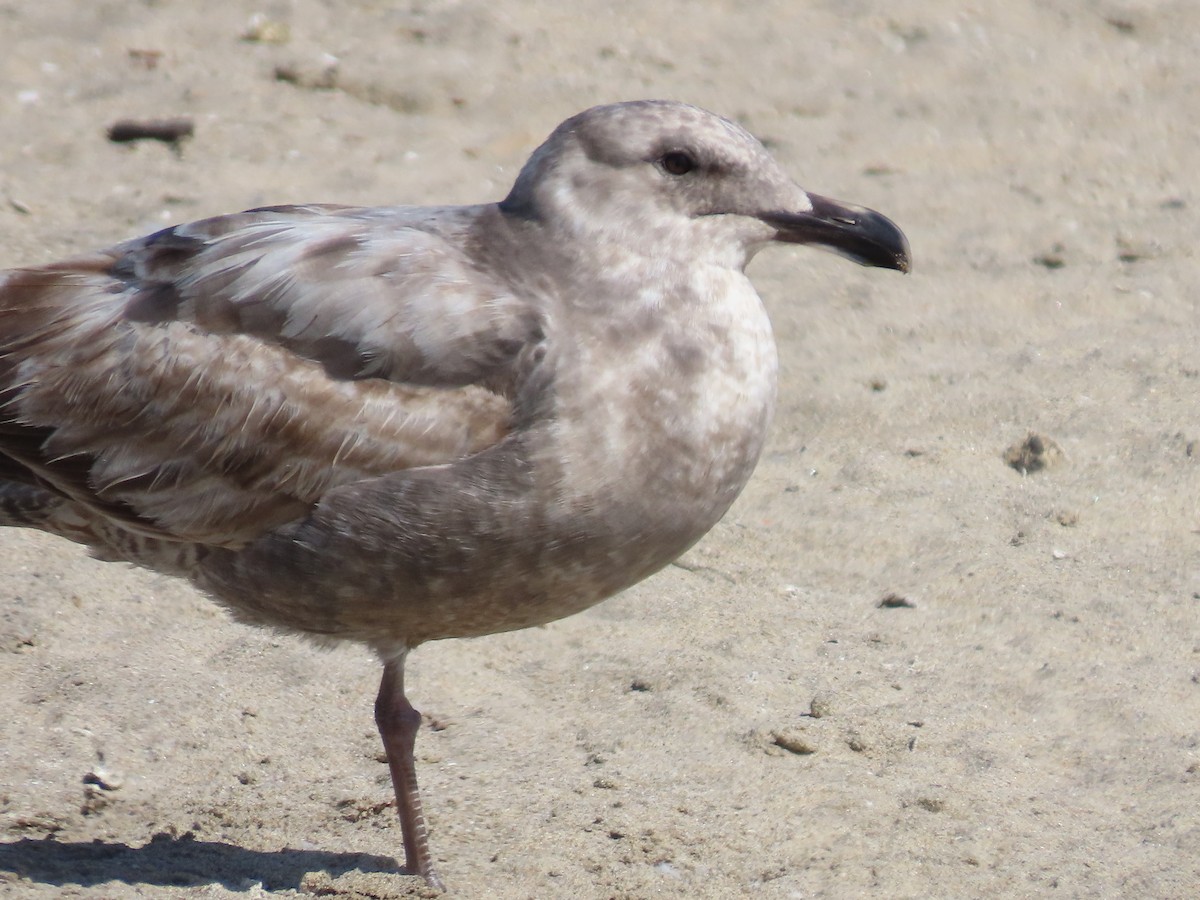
(176, 862)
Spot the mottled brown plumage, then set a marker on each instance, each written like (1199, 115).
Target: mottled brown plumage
(400, 424)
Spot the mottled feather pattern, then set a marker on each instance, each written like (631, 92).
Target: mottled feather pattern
(380, 357)
(365, 292)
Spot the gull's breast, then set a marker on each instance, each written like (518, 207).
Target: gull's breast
(663, 413)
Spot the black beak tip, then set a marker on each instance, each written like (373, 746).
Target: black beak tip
(892, 241)
(872, 239)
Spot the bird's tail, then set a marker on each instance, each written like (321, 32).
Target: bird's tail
(29, 506)
(26, 506)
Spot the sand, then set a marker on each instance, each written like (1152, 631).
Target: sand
(1021, 717)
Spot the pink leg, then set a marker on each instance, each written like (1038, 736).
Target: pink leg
(398, 723)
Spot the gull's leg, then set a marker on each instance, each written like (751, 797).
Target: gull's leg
(398, 723)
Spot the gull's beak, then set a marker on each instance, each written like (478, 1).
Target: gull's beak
(855, 232)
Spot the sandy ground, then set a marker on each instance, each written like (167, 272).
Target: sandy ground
(751, 721)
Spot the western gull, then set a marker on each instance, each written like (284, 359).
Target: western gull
(398, 424)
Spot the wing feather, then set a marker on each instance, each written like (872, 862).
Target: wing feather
(213, 381)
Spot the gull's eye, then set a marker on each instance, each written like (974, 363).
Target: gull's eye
(677, 162)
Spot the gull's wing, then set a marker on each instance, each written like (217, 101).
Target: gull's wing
(212, 381)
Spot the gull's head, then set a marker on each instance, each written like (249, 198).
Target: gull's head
(667, 179)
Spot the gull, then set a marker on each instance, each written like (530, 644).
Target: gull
(399, 424)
